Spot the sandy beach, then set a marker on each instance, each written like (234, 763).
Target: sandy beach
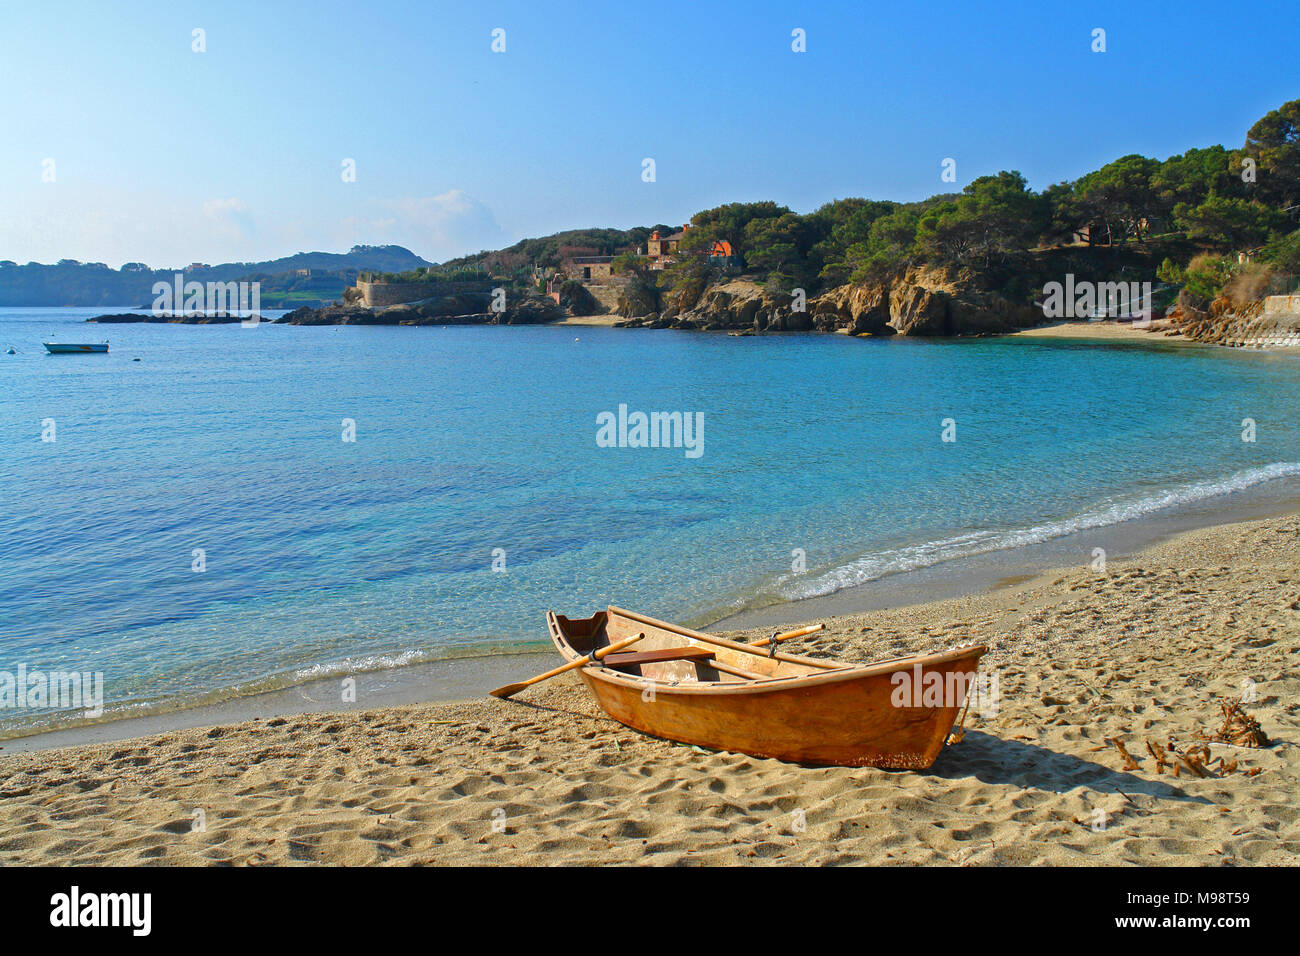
(1157, 331)
(601, 321)
(1144, 651)
(1160, 331)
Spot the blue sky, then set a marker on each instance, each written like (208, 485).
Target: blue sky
(167, 156)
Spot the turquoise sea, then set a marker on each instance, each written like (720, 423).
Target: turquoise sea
(476, 445)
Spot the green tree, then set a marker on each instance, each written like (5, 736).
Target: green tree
(727, 222)
(1230, 224)
(1119, 197)
(995, 219)
(838, 226)
(890, 247)
(1274, 143)
(628, 263)
(1064, 213)
(1205, 277)
(779, 246)
(1284, 252)
(1192, 177)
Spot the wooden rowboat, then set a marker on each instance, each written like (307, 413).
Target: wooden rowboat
(701, 689)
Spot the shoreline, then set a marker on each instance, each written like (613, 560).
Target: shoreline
(1159, 332)
(987, 571)
(445, 681)
(467, 679)
(606, 321)
(1145, 650)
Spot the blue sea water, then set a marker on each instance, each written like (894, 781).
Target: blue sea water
(324, 556)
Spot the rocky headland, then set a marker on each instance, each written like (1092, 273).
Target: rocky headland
(920, 302)
(181, 318)
(461, 309)
(466, 309)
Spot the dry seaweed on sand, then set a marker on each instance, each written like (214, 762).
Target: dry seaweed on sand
(1129, 762)
(1239, 728)
(1159, 754)
(1195, 759)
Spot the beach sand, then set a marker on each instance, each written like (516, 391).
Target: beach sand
(607, 320)
(1158, 331)
(1145, 650)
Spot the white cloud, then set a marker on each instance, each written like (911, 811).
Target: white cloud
(439, 227)
(231, 222)
(223, 208)
(166, 232)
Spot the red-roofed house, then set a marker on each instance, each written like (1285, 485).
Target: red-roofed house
(660, 250)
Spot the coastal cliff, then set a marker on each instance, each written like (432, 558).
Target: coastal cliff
(919, 302)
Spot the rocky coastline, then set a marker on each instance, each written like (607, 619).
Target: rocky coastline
(919, 302)
(466, 309)
(178, 318)
(472, 308)
(1251, 325)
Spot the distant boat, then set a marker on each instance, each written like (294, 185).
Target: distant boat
(61, 348)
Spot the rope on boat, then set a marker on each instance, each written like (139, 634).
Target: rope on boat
(956, 736)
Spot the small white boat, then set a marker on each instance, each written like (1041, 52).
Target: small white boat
(62, 348)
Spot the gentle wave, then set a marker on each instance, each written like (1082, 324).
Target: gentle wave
(872, 567)
(859, 571)
(51, 720)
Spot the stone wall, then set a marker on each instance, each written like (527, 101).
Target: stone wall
(377, 295)
(1269, 330)
(607, 295)
(1282, 304)
(1255, 327)
(587, 271)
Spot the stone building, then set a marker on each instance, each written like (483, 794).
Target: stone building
(659, 246)
(588, 268)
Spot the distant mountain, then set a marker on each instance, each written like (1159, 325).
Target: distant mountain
(73, 283)
(383, 258)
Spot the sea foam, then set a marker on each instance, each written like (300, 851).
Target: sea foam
(875, 565)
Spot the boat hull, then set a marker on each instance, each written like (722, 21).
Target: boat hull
(61, 348)
(850, 716)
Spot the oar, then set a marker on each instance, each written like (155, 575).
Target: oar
(717, 665)
(722, 642)
(511, 689)
(778, 638)
(754, 647)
